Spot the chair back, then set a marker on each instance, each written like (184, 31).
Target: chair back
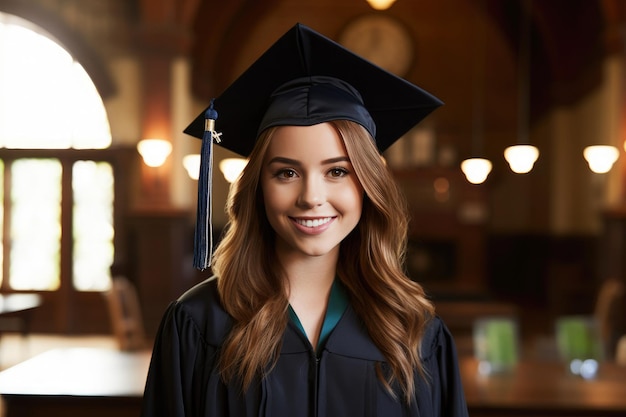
(125, 313)
(620, 352)
(607, 311)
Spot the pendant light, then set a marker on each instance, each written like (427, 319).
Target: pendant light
(601, 157)
(522, 157)
(381, 4)
(232, 168)
(154, 151)
(191, 163)
(476, 168)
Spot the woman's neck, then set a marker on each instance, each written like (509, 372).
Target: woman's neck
(309, 280)
(307, 271)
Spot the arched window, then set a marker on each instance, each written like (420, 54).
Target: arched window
(57, 211)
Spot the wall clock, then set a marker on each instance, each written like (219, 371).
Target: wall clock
(381, 39)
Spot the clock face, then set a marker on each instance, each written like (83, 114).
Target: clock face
(382, 40)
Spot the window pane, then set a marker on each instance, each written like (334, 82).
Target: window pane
(92, 184)
(69, 113)
(35, 224)
(1, 221)
(47, 99)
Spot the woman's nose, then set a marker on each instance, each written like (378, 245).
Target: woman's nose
(313, 192)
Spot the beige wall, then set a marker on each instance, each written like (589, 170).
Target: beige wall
(578, 195)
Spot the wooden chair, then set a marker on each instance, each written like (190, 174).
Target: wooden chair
(607, 312)
(125, 313)
(620, 351)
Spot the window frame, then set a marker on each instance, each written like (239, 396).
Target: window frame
(118, 157)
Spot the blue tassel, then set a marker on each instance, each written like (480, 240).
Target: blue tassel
(203, 239)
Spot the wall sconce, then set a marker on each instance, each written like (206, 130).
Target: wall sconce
(521, 158)
(192, 165)
(601, 157)
(232, 167)
(380, 4)
(154, 151)
(476, 170)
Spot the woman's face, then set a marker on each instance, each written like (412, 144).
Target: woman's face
(312, 196)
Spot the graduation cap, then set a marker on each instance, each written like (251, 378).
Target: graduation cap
(303, 79)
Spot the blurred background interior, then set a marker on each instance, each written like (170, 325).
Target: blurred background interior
(84, 82)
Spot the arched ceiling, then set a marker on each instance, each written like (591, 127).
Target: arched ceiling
(569, 40)
(90, 60)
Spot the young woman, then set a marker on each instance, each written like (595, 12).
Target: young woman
(309, 312)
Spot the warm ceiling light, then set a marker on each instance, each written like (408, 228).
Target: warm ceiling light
(521, 158)
(601, 157)
(192, 165)
(154, 151)
(232, 167)
(476, 170)
(381, 4)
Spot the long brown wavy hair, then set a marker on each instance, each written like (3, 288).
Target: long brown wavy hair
(393, 308)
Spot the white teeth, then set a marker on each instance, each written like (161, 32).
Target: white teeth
(313, 223)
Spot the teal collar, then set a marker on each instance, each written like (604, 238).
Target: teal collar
(337, 304)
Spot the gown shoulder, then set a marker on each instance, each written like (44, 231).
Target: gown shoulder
(202, 308)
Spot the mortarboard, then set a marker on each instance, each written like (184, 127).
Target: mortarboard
(303, 79)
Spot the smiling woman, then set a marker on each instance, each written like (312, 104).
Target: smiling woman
(309, 311)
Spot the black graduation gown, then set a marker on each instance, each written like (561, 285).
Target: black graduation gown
(340, 381)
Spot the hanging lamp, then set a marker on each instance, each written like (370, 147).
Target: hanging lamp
(477, 168)
(381, 4)
(154, 151)
(601, 157)
(522, 156)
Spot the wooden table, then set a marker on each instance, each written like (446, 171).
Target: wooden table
(19, 307)
(107, 382)
(541, 389)
(18, 303)
(14, 303)
(76, 382)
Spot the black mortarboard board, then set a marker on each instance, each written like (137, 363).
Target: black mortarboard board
(303, 79)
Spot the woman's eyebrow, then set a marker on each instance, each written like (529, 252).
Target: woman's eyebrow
(289, 161)
(335, 160)
(283, 160)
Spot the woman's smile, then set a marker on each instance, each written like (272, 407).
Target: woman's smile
(313, 225)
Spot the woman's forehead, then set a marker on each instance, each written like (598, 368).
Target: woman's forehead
(308, 143)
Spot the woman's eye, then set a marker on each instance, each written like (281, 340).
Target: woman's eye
(338, 172)
(286, 173)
